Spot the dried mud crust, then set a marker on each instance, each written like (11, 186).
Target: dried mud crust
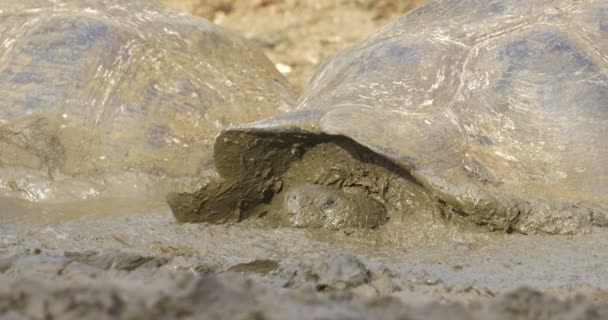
(298, 35)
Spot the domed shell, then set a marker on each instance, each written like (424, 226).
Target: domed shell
(498, 108)
(89, 88)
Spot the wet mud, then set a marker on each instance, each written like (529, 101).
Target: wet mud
(303, 180)
(141, 262)
(186, 295)
(362, 227)
(316, 206)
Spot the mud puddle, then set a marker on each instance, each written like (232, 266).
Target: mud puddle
(20, 212)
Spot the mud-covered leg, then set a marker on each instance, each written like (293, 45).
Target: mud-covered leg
(220, 201)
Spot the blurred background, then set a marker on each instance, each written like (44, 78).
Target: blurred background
(298, 35)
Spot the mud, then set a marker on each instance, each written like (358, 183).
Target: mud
(404, 255)
(141, 263)
(316, 206)
(304, 180)
(360, 94)
(191, 296)
(313, 180)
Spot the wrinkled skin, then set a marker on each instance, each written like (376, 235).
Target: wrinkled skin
(119, 97)
(497, 109)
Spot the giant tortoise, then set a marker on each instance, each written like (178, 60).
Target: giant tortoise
(488, 112)
(110, 97)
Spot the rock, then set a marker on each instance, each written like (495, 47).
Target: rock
(341, 270)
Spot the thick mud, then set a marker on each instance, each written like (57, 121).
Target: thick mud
(317, 206)
(362, 230)
(303, 180)
(139, 263)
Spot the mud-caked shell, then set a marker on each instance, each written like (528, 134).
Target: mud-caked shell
(499, 109)
(91, 87)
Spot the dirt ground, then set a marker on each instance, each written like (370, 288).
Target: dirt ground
(298, 35)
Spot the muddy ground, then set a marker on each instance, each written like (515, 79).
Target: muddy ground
(117, 258)
(134, 261)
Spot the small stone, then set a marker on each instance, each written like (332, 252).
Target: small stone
(340, 271)
(283, 68)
